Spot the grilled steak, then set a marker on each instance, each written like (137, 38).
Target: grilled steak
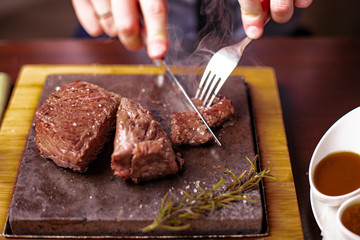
(74, 123)
(142, 150)
(187, 127)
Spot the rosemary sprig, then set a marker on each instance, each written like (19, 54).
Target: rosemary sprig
(174, 215)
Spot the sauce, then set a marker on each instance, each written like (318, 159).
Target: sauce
(338, 173)
(351, 218)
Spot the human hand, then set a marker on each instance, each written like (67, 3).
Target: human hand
(122, 19)
(255, 12)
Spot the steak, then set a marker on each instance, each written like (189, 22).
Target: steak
(188, 128)
(74, 123)
(142, 150)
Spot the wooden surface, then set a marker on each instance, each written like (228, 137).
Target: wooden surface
(280, 194)
(317, 78)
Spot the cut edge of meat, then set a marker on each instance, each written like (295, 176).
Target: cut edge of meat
(188, 129)
(142, 150)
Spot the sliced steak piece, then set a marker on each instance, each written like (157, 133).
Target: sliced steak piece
(142, 150)
(74, 123)
(187, 127)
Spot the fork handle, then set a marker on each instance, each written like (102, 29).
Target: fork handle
(240, 46)
(243, 43)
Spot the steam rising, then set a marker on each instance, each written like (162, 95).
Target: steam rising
(219, 22)
(216, 22)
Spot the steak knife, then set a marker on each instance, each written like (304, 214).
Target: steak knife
(180, 87)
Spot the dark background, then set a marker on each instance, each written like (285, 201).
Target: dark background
(43, 19)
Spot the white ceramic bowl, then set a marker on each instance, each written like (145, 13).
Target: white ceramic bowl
(343, 135)
(344, 232)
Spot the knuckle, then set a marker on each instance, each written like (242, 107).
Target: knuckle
(127, 30)
(281, 11)
(158, 8)
(303, 3)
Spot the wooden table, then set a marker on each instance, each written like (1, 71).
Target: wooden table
(318, 81)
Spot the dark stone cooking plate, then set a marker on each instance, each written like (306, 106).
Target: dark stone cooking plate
(52, 201)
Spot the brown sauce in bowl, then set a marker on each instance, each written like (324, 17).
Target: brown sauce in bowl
(338, 173)
(351, 218)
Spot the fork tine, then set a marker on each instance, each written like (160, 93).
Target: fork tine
(214, 93)
(208, 82)
(202, 81)
(210, 91)
(220, 66)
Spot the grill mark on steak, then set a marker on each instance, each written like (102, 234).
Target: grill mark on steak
(74, 123)
(142, 150)
(187, 127)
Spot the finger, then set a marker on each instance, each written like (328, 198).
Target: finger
(302, 3)
(87, 17)
(281, 10)
(253, 14)
(126, 17)
(103, 10)
(155, 18)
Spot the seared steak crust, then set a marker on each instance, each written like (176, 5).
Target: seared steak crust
(187, 127)
(74, 123)
(142, 150)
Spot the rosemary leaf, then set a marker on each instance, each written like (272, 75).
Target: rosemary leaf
(175, 215)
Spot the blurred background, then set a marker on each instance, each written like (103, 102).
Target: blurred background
(44, 19)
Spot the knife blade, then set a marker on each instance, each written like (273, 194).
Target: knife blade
(177, 83)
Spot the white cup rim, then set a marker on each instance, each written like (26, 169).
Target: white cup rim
(315, 159)
(344, 230)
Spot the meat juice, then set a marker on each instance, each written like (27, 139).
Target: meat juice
(351, 218)
(338, 173)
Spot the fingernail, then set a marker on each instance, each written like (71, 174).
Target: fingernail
(253, 32)
(157, 48)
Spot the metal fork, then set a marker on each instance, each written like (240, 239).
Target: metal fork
(219, 68)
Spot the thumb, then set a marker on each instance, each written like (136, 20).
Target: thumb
(253, 15)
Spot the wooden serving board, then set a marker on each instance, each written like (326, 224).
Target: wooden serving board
(281, 203)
